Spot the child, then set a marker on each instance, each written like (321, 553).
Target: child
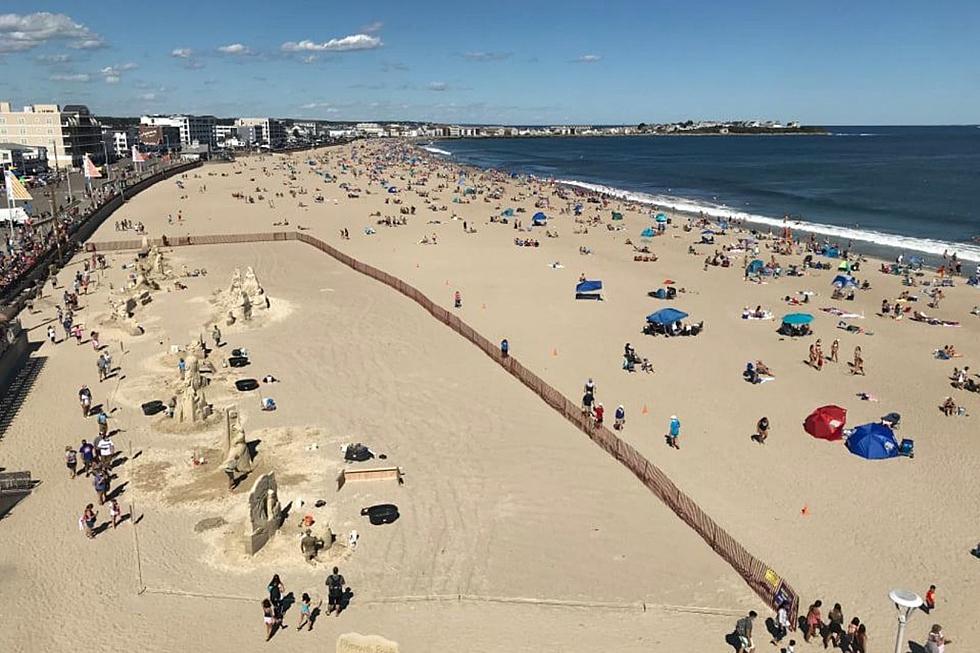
(114, 512)
(930, 601)
(792, 646)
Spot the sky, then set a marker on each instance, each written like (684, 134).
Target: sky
(532, 62)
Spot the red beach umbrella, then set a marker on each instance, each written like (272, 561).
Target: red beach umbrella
(826, 423)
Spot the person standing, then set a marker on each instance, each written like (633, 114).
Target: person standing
(115, 512)
(216, 336)
(85, 399)
(834, 348)
(276, 589)
(599, 413)
(269, 618)
(782, 624)
(674, 432)
(335, 591)
(52, 336)
(814, 621)
(71, 461)
(620, 418)
(88, 456)
(936, 641)
(504, 348)
(103, 421)
(87, 521)
(834, 632)
(100, 481)
(929, 604)
(743, 629)
(458, 300)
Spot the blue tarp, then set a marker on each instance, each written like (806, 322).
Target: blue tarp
(842, 280)
(873, 441)
(647, 233)
(539, 219)
(796, 319)
(588, 286)
(756, 266)
(666, 316)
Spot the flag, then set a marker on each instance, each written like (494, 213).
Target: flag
(91, 172)
(138, 157)
(15, 189)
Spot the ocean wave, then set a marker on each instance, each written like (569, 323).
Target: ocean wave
(851, 134)
(436, 150)
(965, 251)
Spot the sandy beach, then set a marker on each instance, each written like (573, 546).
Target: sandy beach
(516, 532)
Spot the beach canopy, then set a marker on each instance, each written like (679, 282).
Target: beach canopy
(661, 217)
(539, 218)
(797, 319)
(666, 316)
(616, 215)
(756, 266)
(647, 233)
(588, 286)
(873, 441)
(826, 423)
(843, 280)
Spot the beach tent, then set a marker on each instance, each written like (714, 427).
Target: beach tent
(707, 232)
(539, 219)
(392, 189)
(647, 233)
(666, 316)
(797, 319)
(507, 212)
(588, 289)
(843, 280)
(873, 441)
(616, 215)
(756, 266)
(826, 423)
(578, 209)
(661, 217)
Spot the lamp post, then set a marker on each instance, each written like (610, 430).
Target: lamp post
(905, 602)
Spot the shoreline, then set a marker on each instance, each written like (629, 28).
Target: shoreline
(867, 242)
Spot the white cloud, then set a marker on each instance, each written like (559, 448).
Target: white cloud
(486, 56)
(20, 32)
(345, 44)
(310, 59)
(438, 86)
(182, 53)
(147, 97)
(236, 49)
(588, 58)
(111, 79)
(76, 77)
(373, 28)
(52, 59)
(322, 106)
(113, 74)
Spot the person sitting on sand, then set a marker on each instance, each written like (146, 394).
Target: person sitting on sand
(761, 430)
(751, 374)
(763, 369)
(949, 407)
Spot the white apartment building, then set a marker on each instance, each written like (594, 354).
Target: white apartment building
(193, 129)
(273, 131)
(119, 141)
(67, 133)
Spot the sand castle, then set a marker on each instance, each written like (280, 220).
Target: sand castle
(238, 458)
(192, 405)
(243, 296)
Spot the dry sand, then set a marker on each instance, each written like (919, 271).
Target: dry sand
(502, 498)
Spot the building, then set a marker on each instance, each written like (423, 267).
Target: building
(158, 137)
(68, 133)
(224, 133)
(119, 140)
(273, 131)
(23, 159)
(193, 129)
(371, 129)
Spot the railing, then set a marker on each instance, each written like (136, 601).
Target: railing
(759, 576)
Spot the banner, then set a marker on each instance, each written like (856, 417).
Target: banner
(138, 157)
(91, 172)
(15, 189)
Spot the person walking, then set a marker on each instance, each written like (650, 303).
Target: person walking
(52, 336)
(814, 621)
(457, 300)
(115, 512)
(269, 618)
(87, 521)
(674, 432)
(936, 641)
(103, 421)
(306, 610)
(834, 632)
(781, 625)
(335, 591)
(85, 400)
(216, 336)
(100, 481)
(276, 589)
(71, 461)
(88, 456)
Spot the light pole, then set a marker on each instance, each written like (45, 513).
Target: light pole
(905, 602)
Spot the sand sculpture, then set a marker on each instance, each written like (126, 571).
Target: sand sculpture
(243, 296)
(238, 458)
(192, 405)
(121, 314)
(357, 643)
(265, 513)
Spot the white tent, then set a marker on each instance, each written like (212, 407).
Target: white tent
(17, 214)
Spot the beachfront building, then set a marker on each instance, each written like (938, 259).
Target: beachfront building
(119, 140)
(23, 159)
(193, 129)
(369, 129)
(68, 133)
(273, 131)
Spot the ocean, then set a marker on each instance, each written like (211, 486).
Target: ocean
(911, 189)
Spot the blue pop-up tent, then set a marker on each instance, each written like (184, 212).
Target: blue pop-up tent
(666, 316)
(661, 217)
(539, 219)
(873, 441)
(588, 289)
(843, 280)
(647, 233)
(756, 266)
(507, 212)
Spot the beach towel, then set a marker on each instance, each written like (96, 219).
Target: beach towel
(833, 310)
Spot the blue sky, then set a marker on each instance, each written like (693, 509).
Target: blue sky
(530, 62)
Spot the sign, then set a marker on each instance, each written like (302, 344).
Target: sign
(773, 578)
(151, 134)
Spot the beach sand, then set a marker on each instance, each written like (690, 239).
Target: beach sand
(503, 498)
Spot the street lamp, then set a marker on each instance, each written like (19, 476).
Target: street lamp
(905, 602)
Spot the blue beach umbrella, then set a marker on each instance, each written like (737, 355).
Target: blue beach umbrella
(647, 233)
(797, 319)
(873, 441)
(666, 316)
(661, 217)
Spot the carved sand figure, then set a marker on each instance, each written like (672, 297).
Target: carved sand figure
(265, 513)
(192, 405)
(238, 459)
(243, 295)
